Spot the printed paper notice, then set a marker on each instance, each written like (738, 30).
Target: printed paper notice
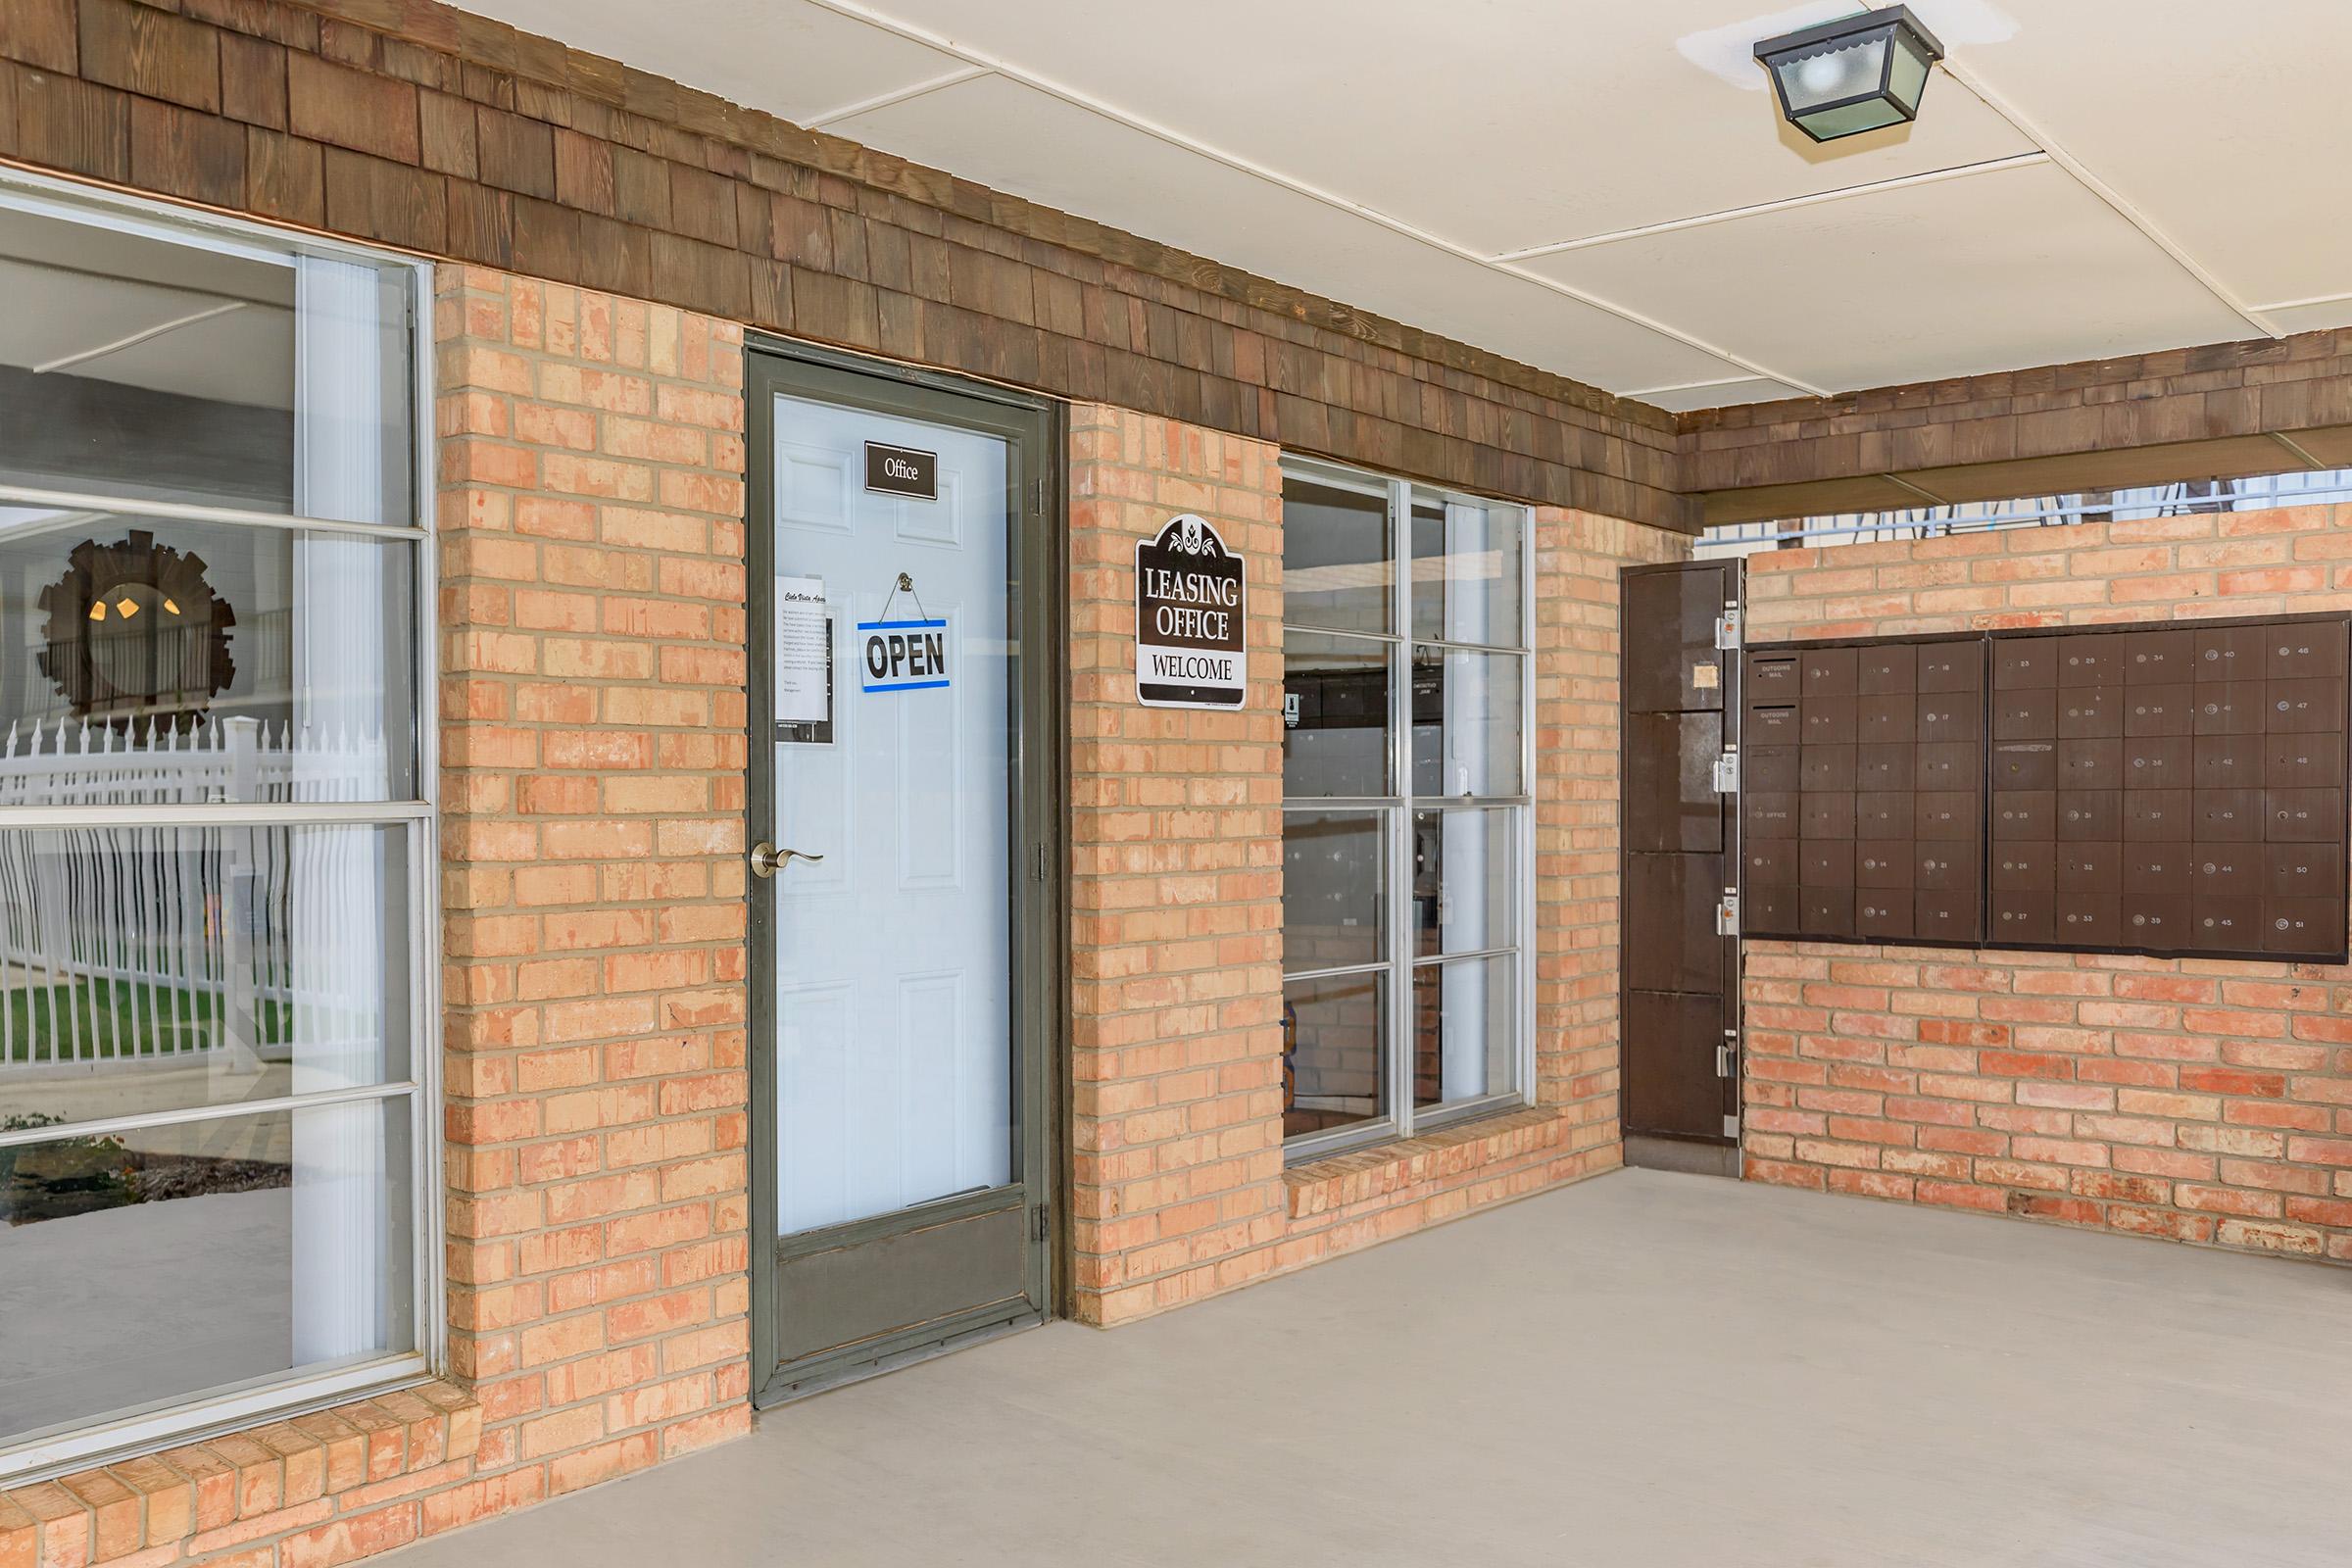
(804, 649)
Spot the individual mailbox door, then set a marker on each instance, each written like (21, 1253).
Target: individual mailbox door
(2296, 651)
(2158, 764)
(2024, 716)
(1883, 815)
(1769, 768)
(2091, 659)
(2302, 762)
(1770, 860)
(1943, 817)
(1950, 717)
(1950, 765)
(1884, 766)
(1831, 672)
(1887, 716)
(1769, 813)
(2230, 708)
(2090, 711)
(1826, 864)
(2232, 653)
(1825, 817)
(2089, 920)
(2156, 817)
(2029, 917)
(2159, 658)
(2024, 869)
(2025, 766)
(1951, 667)
(1888, 667)
(2304, 816)
(2232, 870)
(2160, 922)
(1828, 721)
(2091, 869)
(1827, 767)
(2167, 710)
(1773, 726)
(1772, 680)
(1826, 912)
(2220, 923)
(2155, 871)
(1943, 868)
(2090, 765)
(1770, 909)
(2302, 871)
(2025, 663)
(2025, 816)
(1883, 864)
(2226, 816)
(2228, 761)
(2303, 925)
(1945, 915)
(1885, 913)
(2091, 816)
(2304, 706)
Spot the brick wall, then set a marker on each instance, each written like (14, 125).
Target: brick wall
(2205, 1101)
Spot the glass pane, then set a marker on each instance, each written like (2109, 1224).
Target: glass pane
(1465, 883)
(1335, 716)
(137, 365)
(1465, 1028)
(148, 1268)
(203, 662)
(1468, 563)
(1337, 570)
(1334, 1034)
(1826, 73)
(1333, 892)
(156, 969)
(1465, 723)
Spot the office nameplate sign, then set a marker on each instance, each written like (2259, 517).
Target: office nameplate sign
(1191, 604)
(901, 471)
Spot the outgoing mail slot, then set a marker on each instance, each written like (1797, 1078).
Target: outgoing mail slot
(1890, 668)
(2157, 764)
(1946, 916)
(2090, 711)
(2226, 816)
(2024, 867)
(2091, 659)
(1943, 868)
(2024, 716)
(1887, 717)
(1825, 817)
(2302, 871)
(1950, 765)
(2232, 653)
(1770, 909)
(1943, 817)
(1769, 768)
(2091, 869)
(2156, 817)
(2156, 922)
(2026, 917)
(1951, 667)
(1773, 726)
(1885, 766)
(2025, 816)
(2090, 919)
(2025, 663)
(2090, 815)
(1827, 767)
(2155, 871)
(2303, 925)
(1883, 813)
(2302, 762)
(1829, 721)
(2304, 708)
(1883, 864)
(2232, 869)
(2157, 658)
(2090, 765)
(2299, 650)
(2227, 762)
(2230, 708)
(2025, 766)
(1831, 672)
(2223, 923)
(1826, 912)
(2304, 816)
(1950, 717)
(1884, 914)
(1826, 864)
(1769, 815)
(1770, 860)
(1772, 678)
(2167, 710)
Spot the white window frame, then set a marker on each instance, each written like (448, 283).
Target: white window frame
(1396, 811)
(263, 1400)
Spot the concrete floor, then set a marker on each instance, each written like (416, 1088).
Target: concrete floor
(1644, 1371)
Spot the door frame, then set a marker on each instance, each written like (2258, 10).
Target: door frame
(1034, 431)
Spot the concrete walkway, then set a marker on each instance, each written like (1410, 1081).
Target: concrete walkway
(1646, 1371)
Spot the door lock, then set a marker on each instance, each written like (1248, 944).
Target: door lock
(767, 860)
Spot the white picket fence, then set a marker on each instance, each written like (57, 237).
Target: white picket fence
(125, 945)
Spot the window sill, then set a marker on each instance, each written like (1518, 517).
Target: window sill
(220, 1492)
(1364, 1175)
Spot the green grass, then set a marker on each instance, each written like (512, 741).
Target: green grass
(55, 1023)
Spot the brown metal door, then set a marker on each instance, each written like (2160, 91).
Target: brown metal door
(1682, 711)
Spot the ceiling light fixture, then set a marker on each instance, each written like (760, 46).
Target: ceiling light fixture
(1860, 72)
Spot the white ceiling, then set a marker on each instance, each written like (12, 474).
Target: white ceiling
(1605, 190)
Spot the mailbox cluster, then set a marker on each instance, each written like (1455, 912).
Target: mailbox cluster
(2171, 789)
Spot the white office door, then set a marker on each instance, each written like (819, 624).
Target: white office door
(894, 1064)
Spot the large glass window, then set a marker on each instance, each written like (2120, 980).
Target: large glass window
(215, 830)
(1406, 829)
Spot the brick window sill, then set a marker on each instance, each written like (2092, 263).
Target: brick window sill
(1364, 1175)
(241, 1486)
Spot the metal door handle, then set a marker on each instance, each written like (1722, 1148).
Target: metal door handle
(767, 860)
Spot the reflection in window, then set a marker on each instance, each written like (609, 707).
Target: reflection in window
(1338, 560)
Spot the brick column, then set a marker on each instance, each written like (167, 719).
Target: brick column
(1176, 890)
(592, 700)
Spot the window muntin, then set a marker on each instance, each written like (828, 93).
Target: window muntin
(215, 829)
(1407, 826)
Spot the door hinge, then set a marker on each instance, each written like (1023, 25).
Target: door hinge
(1040, 1227)
(1730, 1126)
(1036, 496)
(1727, 913)
(1044, 868)
(1727, 1055)
(1727, 772)
(1727, 627)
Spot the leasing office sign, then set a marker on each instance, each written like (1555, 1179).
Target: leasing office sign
(1190, 608)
